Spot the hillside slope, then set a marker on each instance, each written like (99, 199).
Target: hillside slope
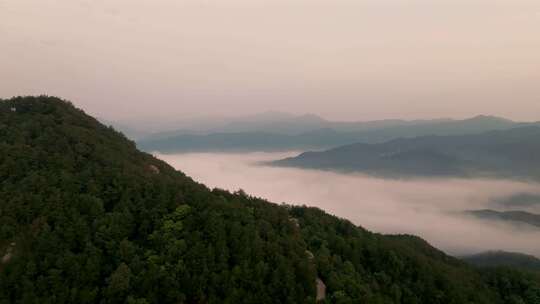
(86, 218)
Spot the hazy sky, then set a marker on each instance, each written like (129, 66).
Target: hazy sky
(352, 60)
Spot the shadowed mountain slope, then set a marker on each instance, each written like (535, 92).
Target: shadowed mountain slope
(493, 259)
(514, 216)
(513, 153)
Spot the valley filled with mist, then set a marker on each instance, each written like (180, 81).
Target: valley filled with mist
(435, 209)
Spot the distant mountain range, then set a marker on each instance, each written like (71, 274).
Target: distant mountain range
(505, 154)
(310, 132)
(514, 216)
(491, 259)
(520, 200)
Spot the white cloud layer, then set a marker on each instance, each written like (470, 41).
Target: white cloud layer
(427, 208)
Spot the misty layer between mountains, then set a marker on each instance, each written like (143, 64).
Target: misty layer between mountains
(433, 209)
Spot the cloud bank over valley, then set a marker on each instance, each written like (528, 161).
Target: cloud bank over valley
(432, 209)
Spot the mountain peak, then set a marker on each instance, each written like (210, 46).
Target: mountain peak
(489, 118)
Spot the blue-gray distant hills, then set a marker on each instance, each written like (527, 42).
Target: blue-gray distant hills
(310, 132)
(513, 153)
(512, 216)
(491, 259)
(518, 200)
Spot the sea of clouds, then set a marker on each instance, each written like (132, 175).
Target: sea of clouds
(430, 208)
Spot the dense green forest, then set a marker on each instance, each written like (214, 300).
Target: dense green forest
(86, 218)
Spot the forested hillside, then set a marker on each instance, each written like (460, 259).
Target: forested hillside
(86, 218)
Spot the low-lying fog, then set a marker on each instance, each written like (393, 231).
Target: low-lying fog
(427, 208)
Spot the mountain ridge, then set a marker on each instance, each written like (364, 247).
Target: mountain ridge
(510, 153)
(86, 218)
(511, 216)
(252, 137)
(491, 259)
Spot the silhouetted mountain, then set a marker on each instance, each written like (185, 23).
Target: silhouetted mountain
(504, 259)
(249, 141)
(271, 122)
(86, 218)
(508, 216)
(522, 200)
(313, 133)
(503, 154)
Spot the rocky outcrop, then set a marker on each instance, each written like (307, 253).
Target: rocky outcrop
(321, 290)
(8, 253)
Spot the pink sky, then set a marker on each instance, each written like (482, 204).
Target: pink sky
(350, 60)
